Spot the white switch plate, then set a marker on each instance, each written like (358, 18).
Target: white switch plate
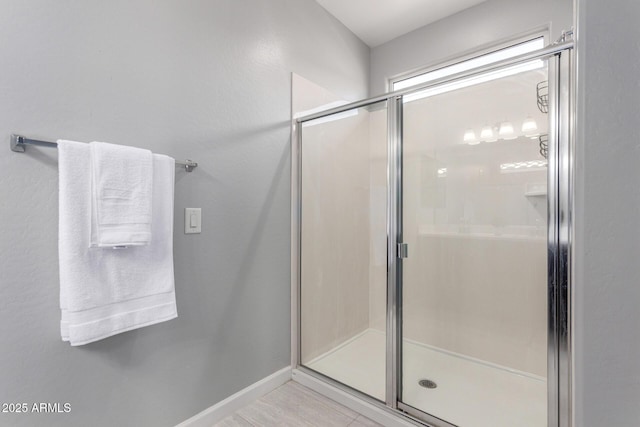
(192, 220)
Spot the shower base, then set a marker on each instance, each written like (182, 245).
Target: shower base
(468, 393)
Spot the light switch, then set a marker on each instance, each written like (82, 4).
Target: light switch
(192, 220)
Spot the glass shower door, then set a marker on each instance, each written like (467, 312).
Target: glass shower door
(343, 247)
(474, 217)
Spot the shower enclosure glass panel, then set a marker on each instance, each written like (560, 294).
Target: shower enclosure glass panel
(343, 247)
(474, 216)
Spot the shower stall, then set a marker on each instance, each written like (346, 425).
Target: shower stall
(432, 243)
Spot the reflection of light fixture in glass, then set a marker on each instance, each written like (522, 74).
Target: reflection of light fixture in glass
(470, 137)
(442, 173)
(530, 127)
(487, 134)
(527, 166)
(506, 131)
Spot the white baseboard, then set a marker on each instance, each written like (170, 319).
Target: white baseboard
(231, 404)
(378, 414)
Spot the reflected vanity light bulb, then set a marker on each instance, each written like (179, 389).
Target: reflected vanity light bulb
(506, 131)
(487, 134)
(470, 137)
(530, 127)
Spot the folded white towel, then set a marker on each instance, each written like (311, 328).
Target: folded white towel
(103, 291)
(121, 192)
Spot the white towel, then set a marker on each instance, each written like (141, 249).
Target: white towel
(121, 192)
(103, 291)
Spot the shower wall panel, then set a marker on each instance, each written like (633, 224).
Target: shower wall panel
(335, 229)
(500, 319)
(378, 219)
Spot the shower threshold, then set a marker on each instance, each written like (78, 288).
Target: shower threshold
(469, 392)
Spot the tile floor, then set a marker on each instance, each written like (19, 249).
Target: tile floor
(293, 405)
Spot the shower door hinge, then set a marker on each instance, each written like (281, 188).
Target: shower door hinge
(403, 250)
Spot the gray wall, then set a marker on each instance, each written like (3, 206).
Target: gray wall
(607, 285)
(485, 24)
(206, 80)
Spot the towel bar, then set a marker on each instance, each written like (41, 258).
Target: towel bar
(19, 142)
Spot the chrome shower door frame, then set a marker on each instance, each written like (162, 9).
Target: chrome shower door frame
(559, 239)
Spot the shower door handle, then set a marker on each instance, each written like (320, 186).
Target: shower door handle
(403, 250)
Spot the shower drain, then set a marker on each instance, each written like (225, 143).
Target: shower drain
(427, 384)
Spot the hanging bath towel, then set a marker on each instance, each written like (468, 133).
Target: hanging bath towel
(106, 291)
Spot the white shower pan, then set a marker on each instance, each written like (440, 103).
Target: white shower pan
(360, 362)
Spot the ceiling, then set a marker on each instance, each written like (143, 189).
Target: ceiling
(378, 21)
